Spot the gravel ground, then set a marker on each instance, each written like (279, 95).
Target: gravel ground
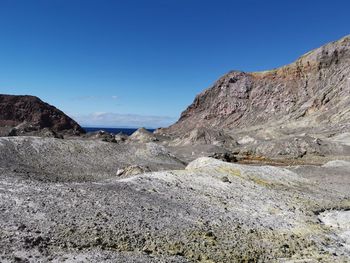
(212, 211)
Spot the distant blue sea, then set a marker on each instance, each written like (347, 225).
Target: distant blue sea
(127, 131)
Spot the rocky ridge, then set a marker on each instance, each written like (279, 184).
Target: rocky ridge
(296, 113)
(315, 89)
(147, 197)
(28, 115)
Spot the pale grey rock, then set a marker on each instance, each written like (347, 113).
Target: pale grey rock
(133, 170)
(142, 135)
(337, 163)
(246, 140)
(204, 136)
(340, 222)
(120, 137)
(78, 159)
(212, 211)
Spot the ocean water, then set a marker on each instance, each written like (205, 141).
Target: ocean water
(127, 131)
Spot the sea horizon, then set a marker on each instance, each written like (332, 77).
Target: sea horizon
(125, 130)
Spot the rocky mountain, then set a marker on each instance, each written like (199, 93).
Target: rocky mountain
(28, 115)
(149, 198)
(314, 90)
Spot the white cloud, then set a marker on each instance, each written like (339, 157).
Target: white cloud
(109, 119)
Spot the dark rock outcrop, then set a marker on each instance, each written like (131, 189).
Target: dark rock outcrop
(226, 157)
(315, 88)
(101, 135)
(28, 115)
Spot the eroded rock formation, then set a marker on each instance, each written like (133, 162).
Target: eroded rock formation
(28, 115)
(315, 88)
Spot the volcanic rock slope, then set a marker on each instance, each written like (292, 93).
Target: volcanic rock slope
(211, 211)
(21, 115)
(79, 160)
(314, 90)
(78, 200)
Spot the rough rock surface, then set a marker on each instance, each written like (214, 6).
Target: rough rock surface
(77, 160)
(297, 112)
(315, 87)
(142, 135)
(132, 170)
(203, 136)
(28, 115)
(340, 220)
(102, 135)
(212, 211)
(84, 200)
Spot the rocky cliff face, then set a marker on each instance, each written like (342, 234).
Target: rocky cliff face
(315, 88)
(21, 115)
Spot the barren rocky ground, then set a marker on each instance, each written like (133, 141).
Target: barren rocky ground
(257, 169)
(71, 207)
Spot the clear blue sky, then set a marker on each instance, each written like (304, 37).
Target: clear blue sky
(140, 63)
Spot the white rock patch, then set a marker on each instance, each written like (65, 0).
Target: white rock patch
(340, 222)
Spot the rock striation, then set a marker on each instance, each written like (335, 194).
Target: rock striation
(28, 115)
(314, 89)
